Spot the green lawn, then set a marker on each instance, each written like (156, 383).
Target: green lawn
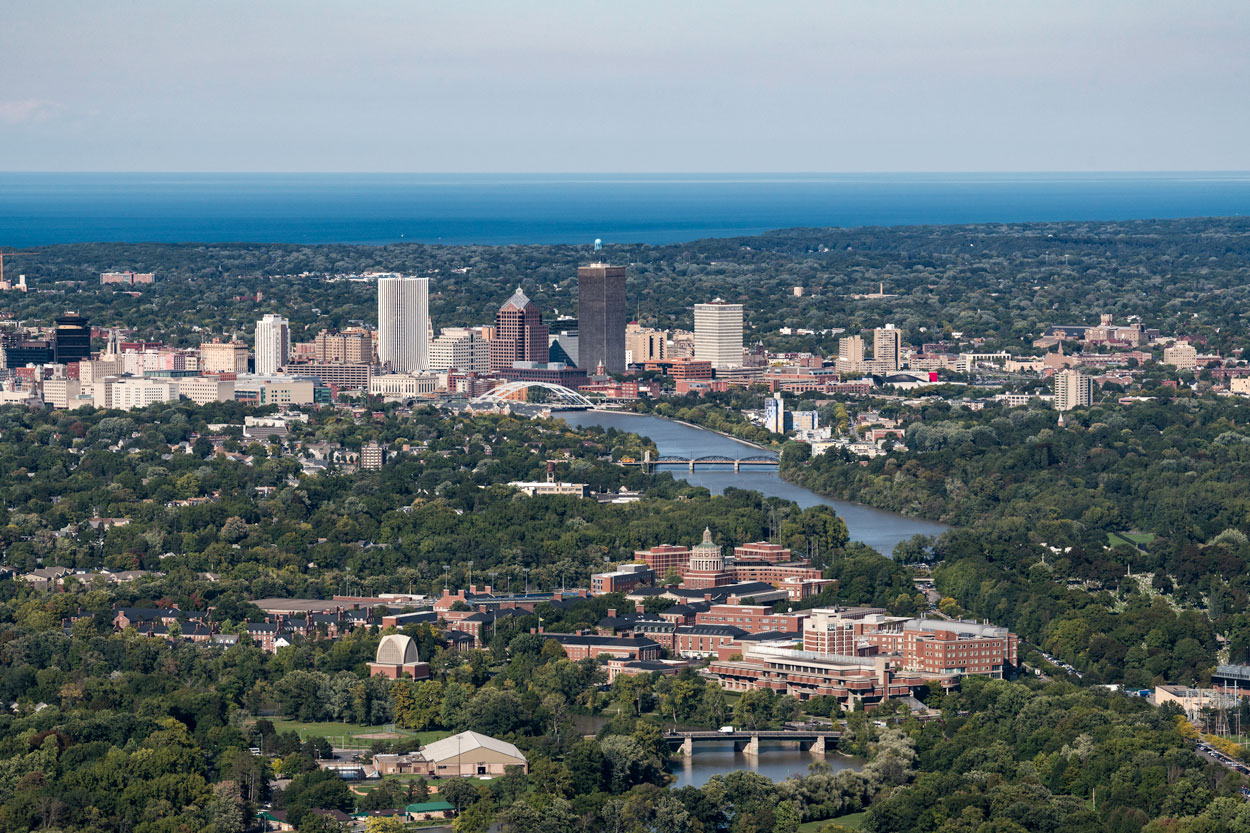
(340, 732)
(851, 821)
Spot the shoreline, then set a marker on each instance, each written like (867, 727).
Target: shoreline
(829, 500)
(703, 428)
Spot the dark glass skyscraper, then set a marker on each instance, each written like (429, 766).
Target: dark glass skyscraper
(601, 317)
(73, 339)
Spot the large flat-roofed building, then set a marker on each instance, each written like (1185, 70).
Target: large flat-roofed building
(460, 348)
(223, 357)
(601, 317)
(402, 385)
(804, 674)
(587, 645)
(752, 618)
(622, 580)
(551, 372)
(275, 390)
(126, 393)
(718, 333)
(938, 648)
(204, 389)
(340, 375)
(551, 487)
(344, 348)
(664, 558)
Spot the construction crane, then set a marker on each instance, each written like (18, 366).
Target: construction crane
(4, 254)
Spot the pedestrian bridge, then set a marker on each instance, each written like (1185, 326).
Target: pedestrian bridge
(816, 741)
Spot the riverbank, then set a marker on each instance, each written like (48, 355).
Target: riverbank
(702, 428)
(878, 529)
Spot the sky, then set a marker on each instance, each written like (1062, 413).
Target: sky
(637, 86)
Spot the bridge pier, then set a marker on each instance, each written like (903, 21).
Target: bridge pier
(817, 746)
(736, 464)
(753, 746)
(687, 747)
(647, 468)
(692, 465)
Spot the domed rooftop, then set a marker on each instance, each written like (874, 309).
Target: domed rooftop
(397, 649)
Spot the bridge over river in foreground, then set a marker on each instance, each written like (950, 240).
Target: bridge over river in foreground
(817, 741)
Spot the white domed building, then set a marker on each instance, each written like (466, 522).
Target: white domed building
(397, 656)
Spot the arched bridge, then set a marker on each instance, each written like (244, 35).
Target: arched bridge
(648, 463)
(505, 395)
(817, 741)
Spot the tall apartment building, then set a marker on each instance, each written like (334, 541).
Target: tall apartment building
(601, 317)
(718, 333)
(372, 456)
(348, 348)
(460, 348)
(1073, 390)
(223, 357)
(1182, 355)
(643, 344)
(851, 350)
(404, 324)
(887, 346)
(273, 344)
(519, 335)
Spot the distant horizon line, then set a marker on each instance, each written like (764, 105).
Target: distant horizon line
(1036, 172)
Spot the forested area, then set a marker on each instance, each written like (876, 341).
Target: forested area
(1001, 282)
(1033, 504)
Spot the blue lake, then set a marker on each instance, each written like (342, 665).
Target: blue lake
(48, 208)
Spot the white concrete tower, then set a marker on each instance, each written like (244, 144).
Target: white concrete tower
(404, 324)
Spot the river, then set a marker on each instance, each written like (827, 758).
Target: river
(775, 761)
(877, 528)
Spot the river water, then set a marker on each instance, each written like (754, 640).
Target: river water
(877, 528)
(775, 761)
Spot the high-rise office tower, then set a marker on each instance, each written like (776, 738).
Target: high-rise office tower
(273, 344)
(404, 324)
(73, 339)
(601, 317)
(1073, 390)
(886, 346)
(520, 335)
(718, 333)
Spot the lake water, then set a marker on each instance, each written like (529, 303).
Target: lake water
(878, 529)
(775, 761)
(48, 208)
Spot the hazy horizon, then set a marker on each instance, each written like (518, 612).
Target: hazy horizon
(312, 86)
